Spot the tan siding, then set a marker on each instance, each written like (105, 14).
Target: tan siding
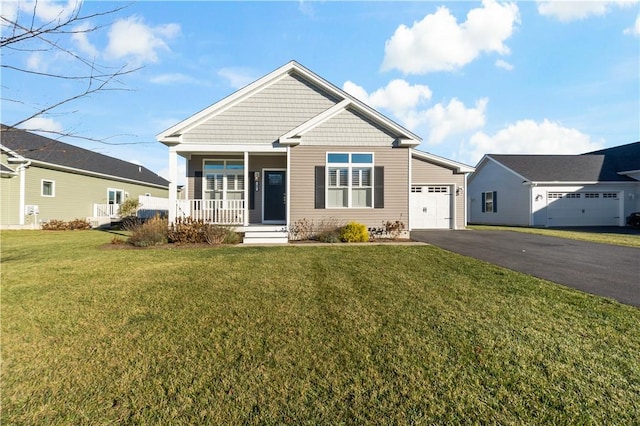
(426, 173)
(265, 116)
(396, 200)
(74, 196)
(348, 128)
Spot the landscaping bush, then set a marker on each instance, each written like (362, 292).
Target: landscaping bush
(129, 207)
(329, 236)
(187, 231)
(389, 229)
(61, 225)
(219, 234)
(232, 237)
(151, 233)
(324, 230)
(354, 232)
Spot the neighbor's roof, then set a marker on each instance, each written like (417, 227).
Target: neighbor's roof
(623, 158)
(45, 151)
(345, 101)
(561, 168)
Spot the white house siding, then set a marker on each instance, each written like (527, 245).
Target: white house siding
(424, 173)
(305, 158)
(513, 197)
(265, 116)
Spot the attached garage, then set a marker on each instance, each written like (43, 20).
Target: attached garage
(583, 208)
(430, 207)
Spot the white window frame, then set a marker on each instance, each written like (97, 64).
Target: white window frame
(225, 178)
(487, 195)
(349, 184)
(121, 191)
(53, 188)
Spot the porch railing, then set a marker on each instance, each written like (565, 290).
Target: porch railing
(106, 210)
(223, 212)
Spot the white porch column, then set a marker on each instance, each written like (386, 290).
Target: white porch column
(173, 183)
(22, 170)
(288, 188)
(246, 188)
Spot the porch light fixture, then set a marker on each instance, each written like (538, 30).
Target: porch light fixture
(538, 197)
(459, 191)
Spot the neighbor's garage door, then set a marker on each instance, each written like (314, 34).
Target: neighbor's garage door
(430, 207)
(583, 209)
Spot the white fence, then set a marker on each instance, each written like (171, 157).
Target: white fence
(152, 206)
(224, 212)
(106, 210)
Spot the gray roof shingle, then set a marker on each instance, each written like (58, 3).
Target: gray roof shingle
(598, 166)
(43, 149)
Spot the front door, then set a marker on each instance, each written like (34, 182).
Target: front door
(275, 196)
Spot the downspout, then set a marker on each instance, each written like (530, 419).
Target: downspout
(22, 168)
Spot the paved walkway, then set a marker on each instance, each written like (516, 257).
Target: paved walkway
(601, 269)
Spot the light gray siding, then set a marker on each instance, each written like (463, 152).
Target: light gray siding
(513, 197)
(264, 116)
(424, 172)
(304, 159)
(348, 128)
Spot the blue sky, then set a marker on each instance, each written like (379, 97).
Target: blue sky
(469, 77)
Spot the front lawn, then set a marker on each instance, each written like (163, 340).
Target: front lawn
(379, 334)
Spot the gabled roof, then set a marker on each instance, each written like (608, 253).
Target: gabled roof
(622, 158)
(49, 152)
(560, 168)
(172, 135)
(458, 167)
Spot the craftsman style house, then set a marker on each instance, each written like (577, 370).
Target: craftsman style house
(291, 146)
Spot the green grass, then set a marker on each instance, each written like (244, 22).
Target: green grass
(378, 334)
(628, 240)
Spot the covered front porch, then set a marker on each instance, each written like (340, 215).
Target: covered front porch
(226, 186)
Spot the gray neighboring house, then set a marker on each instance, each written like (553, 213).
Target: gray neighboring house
(44, 179)
(291, 147)
(599, 188)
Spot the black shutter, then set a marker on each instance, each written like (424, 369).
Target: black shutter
(378, 188)
(197, 185)
(495, 201)
(319, 187)
(252, 191)
(483, 202)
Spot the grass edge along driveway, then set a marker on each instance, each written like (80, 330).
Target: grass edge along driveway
(323, 335)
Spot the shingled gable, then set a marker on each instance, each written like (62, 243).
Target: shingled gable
(344, 101)
(52, 153)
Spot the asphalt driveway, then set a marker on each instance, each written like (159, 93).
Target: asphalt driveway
(601, 269)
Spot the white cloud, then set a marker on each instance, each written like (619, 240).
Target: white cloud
(439, 43)
(36, 62)
(454, 118)
(80, 37)
(530, 137)
(635, 29)
(566, 11)
(237, 77)
(398, 96)
(42, 124)
(500, 63)
(133, 39)
(50, 11)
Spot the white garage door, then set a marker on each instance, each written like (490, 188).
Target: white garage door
(430, 207)
(583, 208)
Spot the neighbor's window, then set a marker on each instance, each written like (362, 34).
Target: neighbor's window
(349, 180)
(490, 202)
(48, 188)
(223, 179)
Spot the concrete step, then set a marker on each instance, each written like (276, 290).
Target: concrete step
(266, 235)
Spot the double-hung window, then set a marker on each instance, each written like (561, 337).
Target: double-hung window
(349, 180)
(48, 188)
(490, 202)
(223, 179)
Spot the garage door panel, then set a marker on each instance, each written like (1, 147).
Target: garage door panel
(430, 207)
(583, 209)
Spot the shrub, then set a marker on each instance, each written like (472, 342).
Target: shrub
(232, 237)
(354, 232)
(302, 229)
(79, 224)
(150, 233)
(129, 207)
(329, 236)
(187, 231)
(305, 229)
(219, 234)
(55, 225)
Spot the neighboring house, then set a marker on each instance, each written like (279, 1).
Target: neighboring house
(45, 179)
(292, 146)
(599, 188)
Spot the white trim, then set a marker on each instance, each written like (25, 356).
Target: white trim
(350, 165)
(195, 149)
(246, 188)
(264, 186)
(53, 188)
(288, 187)
(173, 184)
(459, 167)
